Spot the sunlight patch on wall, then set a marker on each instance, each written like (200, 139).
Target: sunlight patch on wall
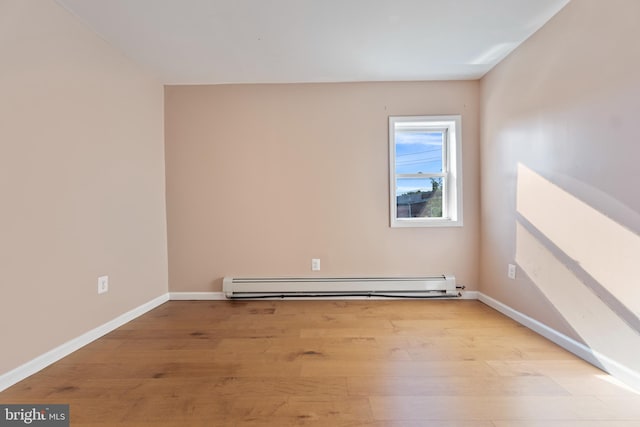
(600, 327)
(606, 250)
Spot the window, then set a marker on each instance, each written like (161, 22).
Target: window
(425, 171)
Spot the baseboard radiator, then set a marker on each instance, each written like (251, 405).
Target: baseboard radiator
(394, 287)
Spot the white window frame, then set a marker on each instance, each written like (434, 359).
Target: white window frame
(452, 176)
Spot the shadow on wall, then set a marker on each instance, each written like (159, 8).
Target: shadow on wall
(586, 264)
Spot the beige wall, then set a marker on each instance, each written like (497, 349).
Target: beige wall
(81, 181)
(560, 152)
(262, 178)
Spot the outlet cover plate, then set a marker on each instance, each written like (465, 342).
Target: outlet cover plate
(103, 284)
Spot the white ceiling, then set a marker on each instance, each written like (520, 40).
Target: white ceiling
(273, 41)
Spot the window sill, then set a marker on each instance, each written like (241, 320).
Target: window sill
(425, 223)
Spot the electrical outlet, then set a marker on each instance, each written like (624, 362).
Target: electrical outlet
(103, 284)
(511, 271)
(315, 264)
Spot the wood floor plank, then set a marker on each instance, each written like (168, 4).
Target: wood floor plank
(502, 407)
(566, 423)
(465, 348)
(551, 368)
(400, 363)
(454, 386)
(600, 384)
(397, 368)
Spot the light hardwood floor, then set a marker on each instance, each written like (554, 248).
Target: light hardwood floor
(328, 363)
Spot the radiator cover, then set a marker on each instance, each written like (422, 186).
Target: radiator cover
(419, 287)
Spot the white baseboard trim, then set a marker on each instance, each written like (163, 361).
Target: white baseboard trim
(611, 366)
(562, 340)
(21, 372)
(469, 295)
(196, 296)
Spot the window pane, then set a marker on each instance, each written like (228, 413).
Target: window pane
(419, 198)
(418, 151)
